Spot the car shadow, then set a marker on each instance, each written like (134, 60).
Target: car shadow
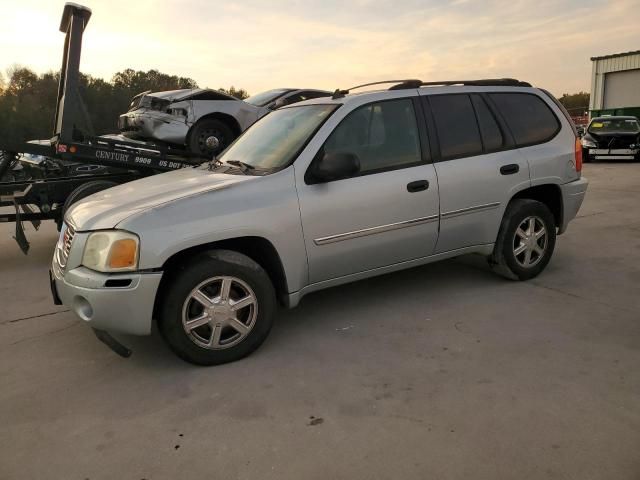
(337, 308)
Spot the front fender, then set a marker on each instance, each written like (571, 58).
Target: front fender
(266, 207)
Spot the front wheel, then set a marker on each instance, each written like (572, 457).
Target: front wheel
(526, 239)
(217, 309)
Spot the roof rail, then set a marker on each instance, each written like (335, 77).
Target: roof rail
(484, 82)
(414, 83)
(341, 93)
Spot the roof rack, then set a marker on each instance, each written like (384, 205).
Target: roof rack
(341, 93)
(484, 82)
(414, 83)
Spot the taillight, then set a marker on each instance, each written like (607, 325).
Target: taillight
(578, 155)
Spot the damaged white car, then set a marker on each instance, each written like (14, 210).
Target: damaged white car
(203, 121)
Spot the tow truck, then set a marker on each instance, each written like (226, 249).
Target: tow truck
(74, 163)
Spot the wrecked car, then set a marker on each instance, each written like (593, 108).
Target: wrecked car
(204, 121)
(612, 138)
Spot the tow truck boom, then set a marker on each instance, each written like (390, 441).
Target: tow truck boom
(111, 159)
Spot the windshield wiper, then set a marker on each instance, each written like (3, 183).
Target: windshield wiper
(214, 162)
(243, 166)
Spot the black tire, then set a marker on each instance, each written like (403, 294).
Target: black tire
(83, 191)
(8, 161)
(206, 267)
(207, 128)
(504, 257)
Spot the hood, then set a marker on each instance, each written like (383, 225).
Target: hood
(106, 209)
(192, 94)
(175, 94)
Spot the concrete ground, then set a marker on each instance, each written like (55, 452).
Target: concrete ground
(441, 372)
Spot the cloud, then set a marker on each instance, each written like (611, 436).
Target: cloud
(259, 45)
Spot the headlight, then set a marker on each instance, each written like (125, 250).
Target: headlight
(111, 251)
(588, 143)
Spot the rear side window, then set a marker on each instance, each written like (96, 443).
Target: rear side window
(456, 125)
(530, 119)
(489, 129)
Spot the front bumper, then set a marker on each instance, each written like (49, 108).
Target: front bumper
(572, 196)
(611, 154)
(122, 309)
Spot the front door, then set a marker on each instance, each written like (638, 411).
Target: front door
(386, 214)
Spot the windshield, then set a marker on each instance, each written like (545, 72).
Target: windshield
(274, 141)
(261, 99)
(614, 125)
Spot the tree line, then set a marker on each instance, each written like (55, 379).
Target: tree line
(28, 100)
(576, 103)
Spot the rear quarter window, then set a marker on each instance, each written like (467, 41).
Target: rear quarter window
(529, 118)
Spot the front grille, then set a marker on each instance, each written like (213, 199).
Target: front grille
(64, 245)
(615, 142)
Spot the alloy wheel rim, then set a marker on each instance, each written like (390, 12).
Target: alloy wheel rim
(530, 242)
(219, 313)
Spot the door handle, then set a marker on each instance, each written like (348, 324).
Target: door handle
(510, 169)
(417, 186)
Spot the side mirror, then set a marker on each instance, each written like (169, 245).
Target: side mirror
(334, 166)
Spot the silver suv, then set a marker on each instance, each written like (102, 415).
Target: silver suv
(319, 194)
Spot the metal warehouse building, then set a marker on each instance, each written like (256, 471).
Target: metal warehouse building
(615, 84)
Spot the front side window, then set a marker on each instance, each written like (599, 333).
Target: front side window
(274, 141)
(382, 135)
(456, 125)
(529, 118)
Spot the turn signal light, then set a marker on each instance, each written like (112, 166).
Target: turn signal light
(123, 253)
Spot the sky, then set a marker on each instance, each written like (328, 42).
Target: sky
(258, 45)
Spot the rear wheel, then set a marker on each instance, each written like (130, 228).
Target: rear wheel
(217, 309)
(209, 137)
(526, 240)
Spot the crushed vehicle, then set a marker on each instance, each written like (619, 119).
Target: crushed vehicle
(204, 121)
(612, 138)
(318, 194)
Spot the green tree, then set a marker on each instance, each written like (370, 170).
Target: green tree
(28, 100)
(575, 103)
(240, 93)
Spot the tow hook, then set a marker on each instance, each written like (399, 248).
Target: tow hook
(112, 343)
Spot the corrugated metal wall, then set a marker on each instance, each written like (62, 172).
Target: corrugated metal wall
(600, 67)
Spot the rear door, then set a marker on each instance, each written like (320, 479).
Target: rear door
(478, 167)
(386, 214)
